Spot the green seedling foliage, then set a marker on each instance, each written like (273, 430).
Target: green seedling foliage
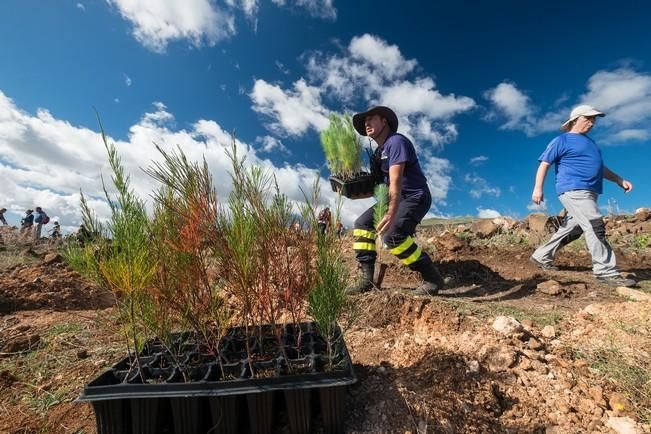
(340, 145)
(124, 263)
(382, 203)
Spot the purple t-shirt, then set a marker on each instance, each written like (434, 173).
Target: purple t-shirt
(398, 149)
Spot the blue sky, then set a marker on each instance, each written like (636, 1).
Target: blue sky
(481, 87)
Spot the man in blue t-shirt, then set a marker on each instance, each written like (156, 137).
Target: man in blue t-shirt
(579, 181)
(409, 201)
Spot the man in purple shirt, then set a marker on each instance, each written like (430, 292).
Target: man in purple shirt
(409, 201)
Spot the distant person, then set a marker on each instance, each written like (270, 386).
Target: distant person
(579, 181)
(55, 232)
(2, 216)
(339, 228)
(324, 221)
(27, 222)
(40, 219)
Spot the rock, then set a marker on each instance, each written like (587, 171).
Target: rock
(52, 258)
(499, 358)
(597, 395)
(618, 403)
(20, 343)
(507, 325)
(527, 324)
(548, 332)
(549, 287)
(535, 344)
(472, 366)
(642, 214)
(538, 222)
(633, 294)
(623, 425)
(82, 354)
(484, 228)
(449, 241)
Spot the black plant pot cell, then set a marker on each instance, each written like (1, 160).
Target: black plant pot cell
(275, 391)
(186, 414)
(145, 416)
(360, 186)
(224, 413)
(260, 412)
(332, 408)
(112, 417)
(299, 404)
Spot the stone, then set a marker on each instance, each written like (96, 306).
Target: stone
(538, 222)
(527, 323)
(449, 241)
(500, 358)
(623, 425)
(549, 287)
(82, 354)
(52, 258)
(21, 343)
(642, 214)
(618, 403)
(535, 344)
(548, 332)
(597, 395)
(507, 325)
(472, 366)
(484, 228)
(633, 294)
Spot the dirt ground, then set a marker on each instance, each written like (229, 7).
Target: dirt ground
(572, 359)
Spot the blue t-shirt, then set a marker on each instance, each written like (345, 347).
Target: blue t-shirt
(398, 149)
(579, 165)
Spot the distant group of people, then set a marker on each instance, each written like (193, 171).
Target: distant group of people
(31, 225)
(324, 222)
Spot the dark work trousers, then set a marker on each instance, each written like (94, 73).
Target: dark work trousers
(399, 237)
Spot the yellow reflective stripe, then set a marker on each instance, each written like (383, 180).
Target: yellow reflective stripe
(402, 247)
(364, 246)
(413, 257)
(364, 233)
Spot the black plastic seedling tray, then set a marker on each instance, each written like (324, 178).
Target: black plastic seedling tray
(360, 186)
(194, 393)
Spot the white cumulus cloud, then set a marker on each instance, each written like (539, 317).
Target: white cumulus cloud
(44, 161)
(156, 23)
(487, 213)
(480, 187)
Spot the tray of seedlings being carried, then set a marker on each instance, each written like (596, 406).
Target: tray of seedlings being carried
(286, 378)
(344, 156)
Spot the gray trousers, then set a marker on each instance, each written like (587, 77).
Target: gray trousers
(583, 216)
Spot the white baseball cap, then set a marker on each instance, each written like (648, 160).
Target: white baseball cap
(581, 110)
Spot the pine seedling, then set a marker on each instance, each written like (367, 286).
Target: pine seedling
(381, 203)
(341, 147)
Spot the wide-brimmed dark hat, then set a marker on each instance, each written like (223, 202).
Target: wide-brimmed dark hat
(360, 118)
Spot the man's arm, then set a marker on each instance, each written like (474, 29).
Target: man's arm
(612, 176)
(395, 187)
(537, 196)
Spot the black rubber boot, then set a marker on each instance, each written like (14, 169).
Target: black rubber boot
(365, 282)
(432, 280)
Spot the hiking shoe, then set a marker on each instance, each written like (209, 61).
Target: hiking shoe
(427, 288)
(616, 280)
(542, 265)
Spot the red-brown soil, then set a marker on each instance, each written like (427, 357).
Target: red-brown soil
(424, 364)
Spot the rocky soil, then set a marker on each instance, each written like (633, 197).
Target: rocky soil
(504, 348)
